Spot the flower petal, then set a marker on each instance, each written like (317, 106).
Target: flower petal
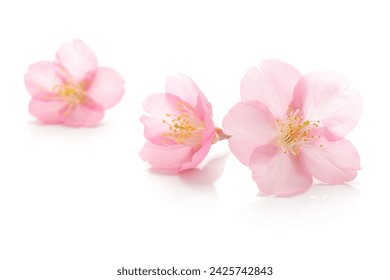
(326, 96)
(250, 125)
(277, 173)
(107, 87)
(47, 112)
(79, 61)
(154, 130)
(207, 141)
(41, 78)
(203, 108)
(185, 88)
(197, 157)
(88, 115)
(334, 163)
(161, 104)
(169, 157)
(273, 85)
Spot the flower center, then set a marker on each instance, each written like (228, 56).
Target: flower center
(293, 131)
(184, 128)
(73, 93)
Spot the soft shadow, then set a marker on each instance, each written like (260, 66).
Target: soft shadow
(189, 188)
(208, 175)
(39, 130)
(196, 178)
(67, 138)
(322, 203)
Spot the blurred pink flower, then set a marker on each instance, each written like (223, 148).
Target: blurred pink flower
(72, 90)
(289, 128)
(180, 129)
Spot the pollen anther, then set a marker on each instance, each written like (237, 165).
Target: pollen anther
(293, 131)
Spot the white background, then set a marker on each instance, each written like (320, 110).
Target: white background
(79, 203)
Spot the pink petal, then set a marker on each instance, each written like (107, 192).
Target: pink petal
(107, 87)
(170, 157)
(79, 61)
(335, 162)
(277, 173)
(154, 129)
(197, 157)
(185, 88)
(326, 96)
(161, 104)
(41, 78)
(200, 154)
(203, 108)
(250, 125)
(273, 85)
(87, 115)
(203, 112)
(46, 112)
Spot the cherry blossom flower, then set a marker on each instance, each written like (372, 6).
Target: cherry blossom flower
(180, 127)
(72, 90)
(289, 128)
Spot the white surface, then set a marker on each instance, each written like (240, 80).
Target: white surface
(79, 203)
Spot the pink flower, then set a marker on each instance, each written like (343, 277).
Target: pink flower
(290, 128)
(72, 90)
(180, 130)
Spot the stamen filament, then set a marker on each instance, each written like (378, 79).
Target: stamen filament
(293, 132)
(184, 128)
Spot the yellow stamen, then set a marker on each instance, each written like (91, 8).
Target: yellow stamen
(293, 132)
(73, 93)
(184, 128)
